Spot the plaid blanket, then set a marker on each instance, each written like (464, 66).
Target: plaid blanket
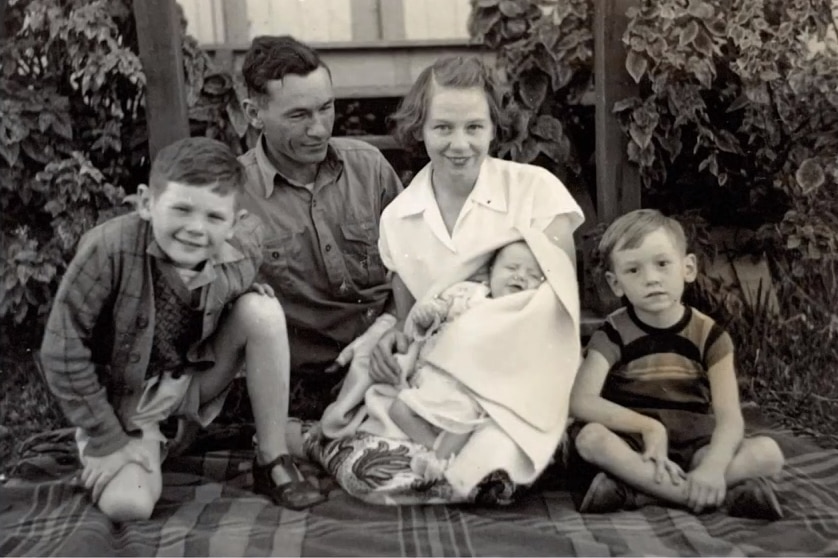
(206, 509)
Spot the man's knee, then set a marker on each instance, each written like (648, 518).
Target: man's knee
(131, 495)
(259, 315)
(593, 441)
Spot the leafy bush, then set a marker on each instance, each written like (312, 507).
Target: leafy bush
(73, 136)
(738, 117)
(545, 50)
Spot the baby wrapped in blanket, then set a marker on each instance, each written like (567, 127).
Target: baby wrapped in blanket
(515, 356)
(434, 408)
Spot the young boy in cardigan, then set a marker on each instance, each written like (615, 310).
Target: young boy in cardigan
(154, 318)
(656, 397)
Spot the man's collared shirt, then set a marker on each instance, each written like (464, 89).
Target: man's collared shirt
(321, 249)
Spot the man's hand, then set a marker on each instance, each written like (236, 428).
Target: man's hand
(706, 487)
(383, 367)
(99, 471)
(656, 449)
(263, 289)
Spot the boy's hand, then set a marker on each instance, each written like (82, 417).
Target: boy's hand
(656, 449)
(263, 289)
(706, 487)
(99, 471)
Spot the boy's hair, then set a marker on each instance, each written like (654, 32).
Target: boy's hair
(629, 230)
(197, 161)
(459, 72)
(274, 57)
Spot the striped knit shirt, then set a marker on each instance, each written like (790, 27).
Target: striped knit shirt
(660, 368)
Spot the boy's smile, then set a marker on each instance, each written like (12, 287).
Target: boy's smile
(652, 276)
(190, 223)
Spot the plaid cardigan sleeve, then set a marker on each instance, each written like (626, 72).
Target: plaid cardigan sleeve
(85, 291)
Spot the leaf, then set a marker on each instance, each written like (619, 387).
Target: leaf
(625, 104)
(511, 8)
(636, 65)
(700, 9)
(548, 127)
(688, 34)
(809, 175)
(533, 88)
(487, 3)
(641, 136)
(10, 153)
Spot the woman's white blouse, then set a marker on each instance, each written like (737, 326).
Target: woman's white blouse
(415, 244)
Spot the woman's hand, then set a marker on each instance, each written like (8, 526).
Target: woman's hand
(383, 366)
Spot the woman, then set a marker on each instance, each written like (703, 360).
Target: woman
(464, 199)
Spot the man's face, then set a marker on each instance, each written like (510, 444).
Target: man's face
(297, 117)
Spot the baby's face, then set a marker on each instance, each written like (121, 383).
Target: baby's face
(515, 270)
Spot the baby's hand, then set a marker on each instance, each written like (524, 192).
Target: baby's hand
(656, 449)
(99, 471)
(706, 487)
(424, 315)
(263, 289)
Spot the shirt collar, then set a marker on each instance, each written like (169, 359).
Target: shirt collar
(329, 167)
(488, 191)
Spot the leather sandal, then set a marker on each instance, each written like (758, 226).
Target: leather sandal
(296, 494)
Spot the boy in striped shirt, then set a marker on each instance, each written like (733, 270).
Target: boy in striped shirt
(656, 398)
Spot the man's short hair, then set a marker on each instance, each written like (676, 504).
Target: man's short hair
(628, 231)
(274, 57)
(198, 161)
(460, 72)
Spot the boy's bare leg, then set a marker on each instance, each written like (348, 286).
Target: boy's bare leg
(254, 333)
(756, 457)
(417, 428)
(605, 449)
(132, 494)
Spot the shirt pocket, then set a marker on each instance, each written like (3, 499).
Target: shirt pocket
(280, 257)
(361, 255)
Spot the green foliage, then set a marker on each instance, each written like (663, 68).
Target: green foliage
(73, 135)
(545, 49)
(737, 116)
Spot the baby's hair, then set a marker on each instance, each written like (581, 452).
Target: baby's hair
(197, 161)
(629, 230)
(459, 72)
(274, 57)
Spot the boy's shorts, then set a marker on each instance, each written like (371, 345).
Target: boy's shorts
(166, 396)
(687, 432)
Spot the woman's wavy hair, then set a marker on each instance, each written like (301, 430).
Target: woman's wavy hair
(458, 72)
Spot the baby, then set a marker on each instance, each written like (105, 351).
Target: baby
(434, 408)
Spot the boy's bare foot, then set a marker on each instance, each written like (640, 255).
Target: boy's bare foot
(606, 495)
(754, 499)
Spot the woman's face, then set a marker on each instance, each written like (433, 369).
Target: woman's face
(457, 133)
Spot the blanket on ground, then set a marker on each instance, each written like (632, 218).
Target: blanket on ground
(207, 510)
(517, 355)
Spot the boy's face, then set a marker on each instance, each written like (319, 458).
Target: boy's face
(515, 269)
(652, 276)
(190, 223)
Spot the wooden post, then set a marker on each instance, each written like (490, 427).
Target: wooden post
(617, 180)
(159, 37)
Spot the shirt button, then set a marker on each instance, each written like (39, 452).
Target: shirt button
(328, 247)
(142, 322)
(275, 255)
(134, 357)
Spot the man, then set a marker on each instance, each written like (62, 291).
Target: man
(320, 199)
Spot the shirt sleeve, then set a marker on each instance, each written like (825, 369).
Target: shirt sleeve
(391, 187)
(551, 198)
(719, 345)
(606, 342)
(66, 355)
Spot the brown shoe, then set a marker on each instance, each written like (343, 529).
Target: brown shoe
(606, 495)
(754, 499)
(296, 494)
